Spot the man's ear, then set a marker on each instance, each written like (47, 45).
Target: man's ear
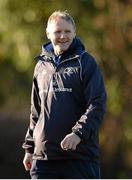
(47, 33)
(74, 34)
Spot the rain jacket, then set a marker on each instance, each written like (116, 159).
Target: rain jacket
(68, 95)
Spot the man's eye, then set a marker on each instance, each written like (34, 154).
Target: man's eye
(57, 32)
(67, 31)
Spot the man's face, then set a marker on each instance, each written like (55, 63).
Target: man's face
(61, 34)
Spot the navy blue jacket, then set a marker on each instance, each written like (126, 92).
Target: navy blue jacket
(68, 97)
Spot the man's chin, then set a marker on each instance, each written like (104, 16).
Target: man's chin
(64, 49)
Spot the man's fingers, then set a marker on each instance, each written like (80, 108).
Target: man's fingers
(74, 146)
(27, 161)
(70, 146)
(70, 142)
(64, 144)
(27, 165)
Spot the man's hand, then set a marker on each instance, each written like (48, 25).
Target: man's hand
(27, 161)
(70, 141)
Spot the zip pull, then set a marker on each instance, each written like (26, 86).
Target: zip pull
(57, 60)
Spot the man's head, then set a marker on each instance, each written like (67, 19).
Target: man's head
(61, 30)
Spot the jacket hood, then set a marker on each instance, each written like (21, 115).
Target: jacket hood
(75, 48)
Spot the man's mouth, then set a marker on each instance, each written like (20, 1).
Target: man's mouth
(63, 43)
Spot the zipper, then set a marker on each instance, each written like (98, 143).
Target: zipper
(66, 60)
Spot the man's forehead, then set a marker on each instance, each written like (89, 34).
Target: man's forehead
(59, 20)
(60, 23)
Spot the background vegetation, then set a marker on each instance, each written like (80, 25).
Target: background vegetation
(105, 28)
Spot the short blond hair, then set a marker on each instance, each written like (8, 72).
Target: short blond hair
(62, 14)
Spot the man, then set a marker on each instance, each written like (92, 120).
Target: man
(67, 106)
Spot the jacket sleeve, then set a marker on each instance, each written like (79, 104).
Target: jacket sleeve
(95, 99)
(28, 145)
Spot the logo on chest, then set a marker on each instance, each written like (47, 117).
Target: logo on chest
(69, 70)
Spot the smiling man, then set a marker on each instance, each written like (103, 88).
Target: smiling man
(67, 107)
(61, 32)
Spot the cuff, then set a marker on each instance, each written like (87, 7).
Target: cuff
(79, 134)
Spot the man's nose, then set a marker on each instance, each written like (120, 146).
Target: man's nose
(62, 35)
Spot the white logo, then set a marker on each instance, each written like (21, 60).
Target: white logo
(69, 70)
